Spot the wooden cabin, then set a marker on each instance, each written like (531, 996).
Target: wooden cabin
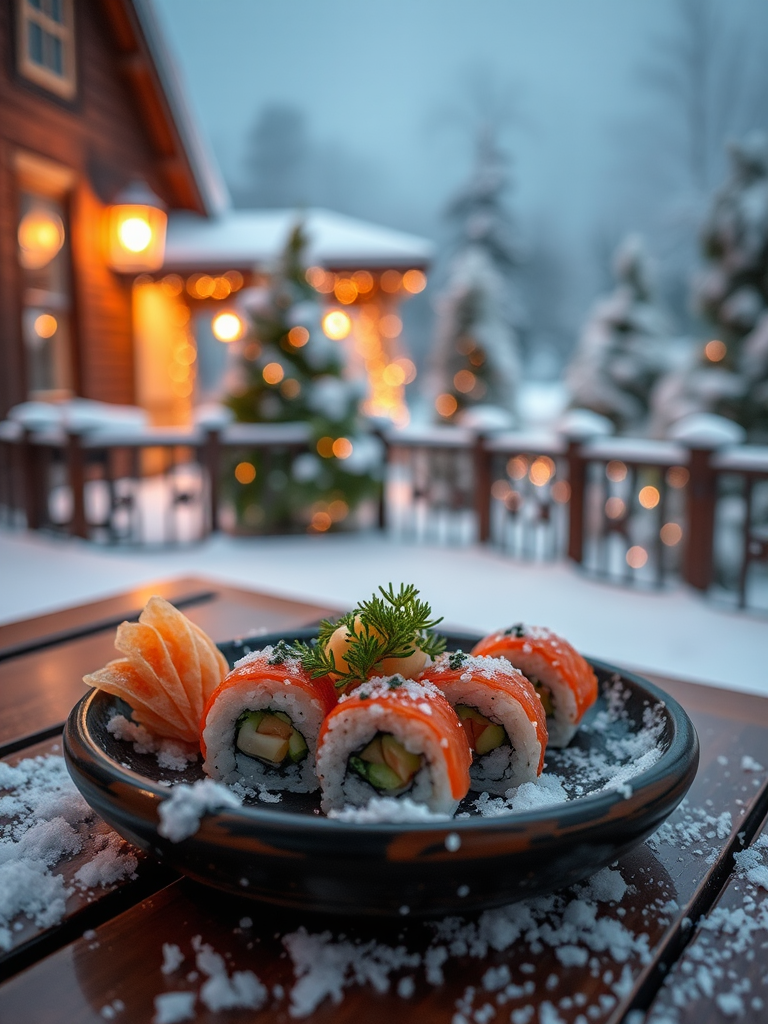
(90, 106)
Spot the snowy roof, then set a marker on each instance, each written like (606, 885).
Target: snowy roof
(246, 238)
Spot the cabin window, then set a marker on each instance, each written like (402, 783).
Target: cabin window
(46, 44)
(43, 254)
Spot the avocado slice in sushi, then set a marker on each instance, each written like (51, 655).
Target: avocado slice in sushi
(270, 736)
(483, 734)
(386, 764)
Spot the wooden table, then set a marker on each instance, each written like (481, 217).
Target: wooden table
(104, 960)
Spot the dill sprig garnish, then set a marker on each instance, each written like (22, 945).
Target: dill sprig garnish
(392, 625)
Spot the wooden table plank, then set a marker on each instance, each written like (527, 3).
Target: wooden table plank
(678, 870)
(722, 972)
(38, 689)
(83, 616)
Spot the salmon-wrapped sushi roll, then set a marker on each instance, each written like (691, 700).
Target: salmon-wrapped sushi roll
(393, 736)
(563, 679)
(502, 716)
(261, 725)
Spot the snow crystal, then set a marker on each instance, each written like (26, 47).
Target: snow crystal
(180, 814)
(270, 656)
(111, 864)
(171, 1007)
(173, 958)
(607, 886)
(171, 754)
(387, 808)
(546, 791)
(323, 968)
(44, 815)
(749, 764)
(224, 992)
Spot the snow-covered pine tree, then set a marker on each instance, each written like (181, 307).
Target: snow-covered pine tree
(727, 373)
(624, 345)
(475, 363)
(289, 371)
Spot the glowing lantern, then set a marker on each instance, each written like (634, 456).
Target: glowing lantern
(136, 226)
(41, 236)
(227, 327)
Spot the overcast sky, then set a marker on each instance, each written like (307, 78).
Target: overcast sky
(377, 81)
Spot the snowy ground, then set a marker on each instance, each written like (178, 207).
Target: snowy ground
(675, 632)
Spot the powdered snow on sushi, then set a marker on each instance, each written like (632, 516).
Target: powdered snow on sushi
(261, 725)
(565, 682)
(393, 736)
(502, 716)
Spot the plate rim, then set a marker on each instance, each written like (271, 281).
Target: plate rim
(676, 763)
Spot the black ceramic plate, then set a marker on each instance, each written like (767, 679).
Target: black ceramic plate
(289, 854)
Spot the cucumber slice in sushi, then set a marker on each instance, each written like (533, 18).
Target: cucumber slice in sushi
(270, 736)
(386, 764)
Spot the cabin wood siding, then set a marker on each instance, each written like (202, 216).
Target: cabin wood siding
(105, 136)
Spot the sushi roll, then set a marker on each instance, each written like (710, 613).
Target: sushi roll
(260, 726)
(393, 736)
(502, 716)
(563, 679)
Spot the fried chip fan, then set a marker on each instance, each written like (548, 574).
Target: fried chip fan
(168, 671)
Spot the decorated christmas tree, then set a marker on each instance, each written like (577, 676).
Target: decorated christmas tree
(290, 371)
(475, 363)
(624, 347)
(727, 372)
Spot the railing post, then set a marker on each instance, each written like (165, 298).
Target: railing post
(482, 465)
(382, 509)
(30, 466)
(577, 472)
(78, 526)
(212, 460)
(701, 501)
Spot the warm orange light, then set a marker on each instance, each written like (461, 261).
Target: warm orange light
(649, 497)
(178, 372)
(342, 448)
(221, 288)
(46, 325)
(393, 375)
(273, 373)
(391, 326)
(671, 534)
(446, 405)
(172, 285)
(40, 236)
(637, 557)
(338, 510)
(245, 473)
(298, 336)
(517, 467)
(677, 476)
(320, 279)
(136, 237)
(363, 280)
(235, 280)
(500, 489)
(182, 388)
(290, 388)
(615, 508)
(321, 522)
(345, 290)
(616, 471)
(464, 381)
(561, 492)
(390, 281)
(325, 447)
(414, 281)
(541, 471)
(336, 325)
(715, 350)
(227, 327)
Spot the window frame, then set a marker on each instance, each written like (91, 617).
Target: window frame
(65, 85)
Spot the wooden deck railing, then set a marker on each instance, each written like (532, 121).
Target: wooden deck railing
(631, 510)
